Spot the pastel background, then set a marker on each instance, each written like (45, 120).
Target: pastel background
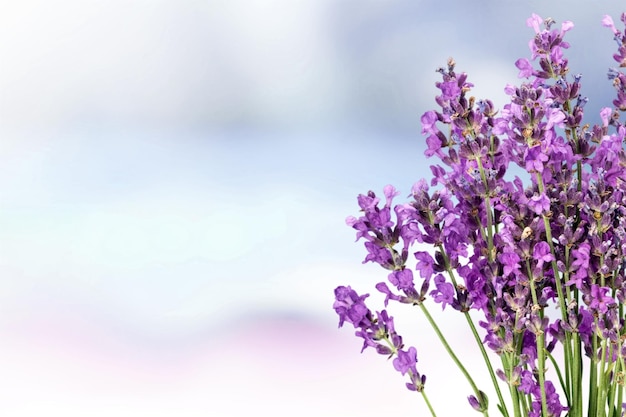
(174, 178)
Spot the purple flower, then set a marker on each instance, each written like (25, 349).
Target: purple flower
(534, 21)
(510, 261)
(528, 385)
(390, 192)
(429, 122)
(379, 255)
(580, 265)
(555, 118)
(410, 231)
(478, 289)
(405, 360)
(385, 325)
(360, 226)
(383, 288)
(581, 257)
(607, 21)
(402, 279)
(525, 67)
(605, 115)
(444, 292)
(382, 328)
(541, 253)
(566, 26)
(435, 142)
(555, 408)
(450, 90)
(351, 307)
(598, 300)
(534, 159)
(420, 188)
(539, 203)
(367, 202)
(424, 264)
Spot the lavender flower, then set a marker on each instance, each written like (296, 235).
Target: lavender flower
(540, 265)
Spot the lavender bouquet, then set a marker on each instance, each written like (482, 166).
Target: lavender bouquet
(541, 261)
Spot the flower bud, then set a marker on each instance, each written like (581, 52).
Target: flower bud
(480, 404)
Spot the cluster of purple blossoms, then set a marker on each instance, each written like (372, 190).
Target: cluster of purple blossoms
(541, 259)
(378, 333)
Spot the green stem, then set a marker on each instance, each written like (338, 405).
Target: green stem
(456, 360)
(619, 373)
(490, 251)
(479, 342)
(540, 339)
(430, 407)
(492, 374)
(540, 342)
(555, 269)
(516, 400)
(619, 383)
(563, 300)
(611, 388)
(572, 368)
(601, 399)
(506, 358)
(593, 372)
(577, 377)
(559, 375)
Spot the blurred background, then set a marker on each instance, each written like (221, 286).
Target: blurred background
(174, 179)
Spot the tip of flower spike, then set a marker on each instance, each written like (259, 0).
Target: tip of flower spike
(390, 192)
(420, 187)
(566, 26)
(534, 21)
(605, 115)
(451, 64)
(607, 21)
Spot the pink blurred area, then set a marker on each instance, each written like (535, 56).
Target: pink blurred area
(59, 361)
